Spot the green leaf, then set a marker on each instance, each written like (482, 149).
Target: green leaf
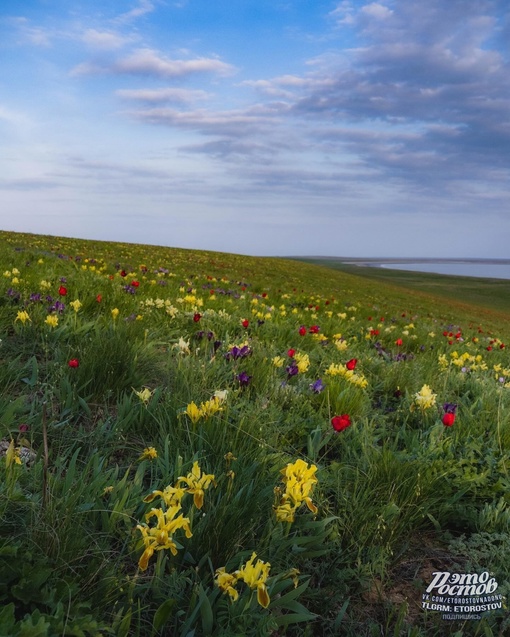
(340, 616)
(206, 612)
(294, 618)
(288, 597)
(163, 613)
(30, 629)
(7, 620)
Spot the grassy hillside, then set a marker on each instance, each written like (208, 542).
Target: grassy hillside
(198, 443)
(489, 294)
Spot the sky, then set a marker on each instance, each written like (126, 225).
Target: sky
(270, 127)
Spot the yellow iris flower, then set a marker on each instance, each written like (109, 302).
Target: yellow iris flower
(170, 495)
(226, 582)
(299, 479)
(197, 484)
(255, 575)
(424, 399)
(52, 320)
(22, 316)
(160, 537)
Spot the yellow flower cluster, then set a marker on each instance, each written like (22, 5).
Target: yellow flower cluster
(52, 320)
(168, 519)
(424, 399)
(502, 375)
(350, 375)
(302, 362)
(206, 409)
(254, 574)
(278, 361)
(299, 481)
(468, 360)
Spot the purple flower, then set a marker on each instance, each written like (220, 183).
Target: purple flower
(58, 306)
(317, 386)
(292, 369)
(450, 408)
(14, 294)
(238, 352)
(243, 379)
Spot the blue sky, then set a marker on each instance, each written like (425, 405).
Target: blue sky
(277, 127)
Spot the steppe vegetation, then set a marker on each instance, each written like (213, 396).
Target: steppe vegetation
(198, 443)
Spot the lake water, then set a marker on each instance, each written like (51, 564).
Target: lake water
(485, 270)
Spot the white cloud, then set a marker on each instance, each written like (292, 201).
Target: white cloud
(144, 7)
(376, 10)
(161, 95)
(147, 62)
(104, 40)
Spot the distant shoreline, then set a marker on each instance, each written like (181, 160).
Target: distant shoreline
(482, 268)
(371, 261)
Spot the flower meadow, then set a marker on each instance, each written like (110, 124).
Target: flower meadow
(196, 443)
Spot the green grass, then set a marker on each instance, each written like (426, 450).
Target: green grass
(198, 380)
(487, 293)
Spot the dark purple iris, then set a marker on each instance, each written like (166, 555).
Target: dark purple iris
(238, 352)
(14, 294)
(243, 379)
(202, 334)
(292, 369)
(58, 306)
(450, 408)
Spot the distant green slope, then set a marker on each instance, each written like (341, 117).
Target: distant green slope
(491, 294)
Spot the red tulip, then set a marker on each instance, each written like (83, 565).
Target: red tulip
(99, 298)
(302, 330)
(351, 364)
(291, 353)
(74, 362)
(197, 317)
(399, 342)
(341, 422)
(448, 419)
(62, 290)
(245, 323)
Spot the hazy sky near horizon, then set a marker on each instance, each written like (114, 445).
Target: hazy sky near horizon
(276, 127)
